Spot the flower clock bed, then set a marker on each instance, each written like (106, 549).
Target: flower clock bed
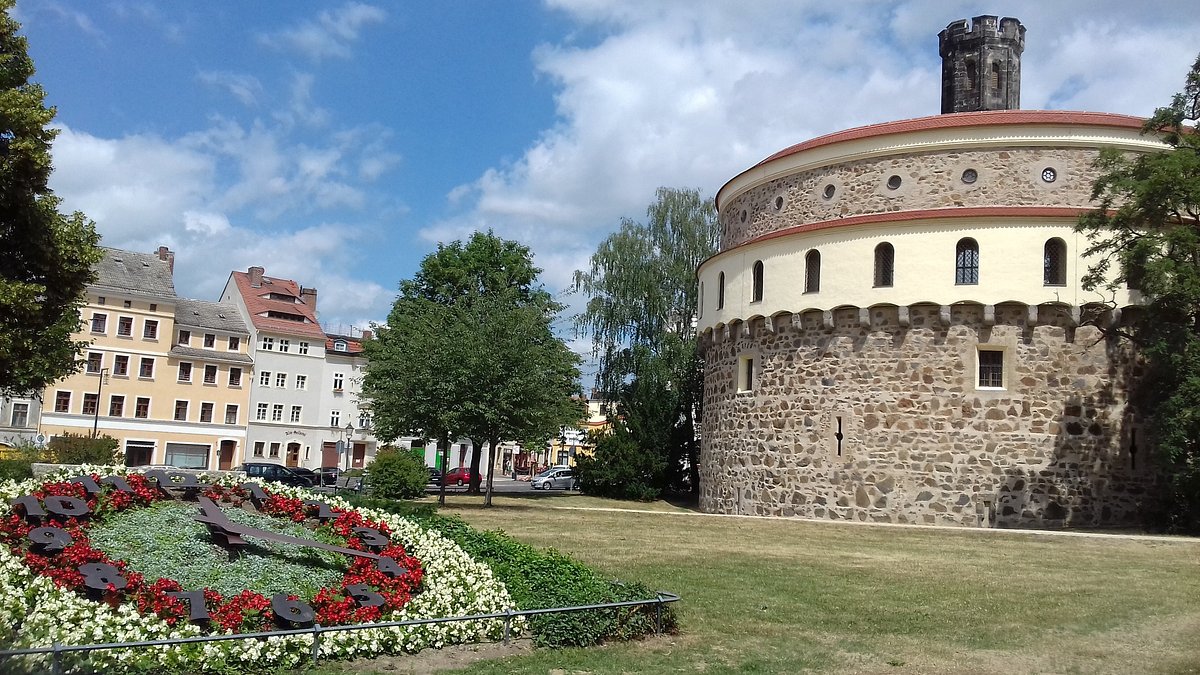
(105, 556)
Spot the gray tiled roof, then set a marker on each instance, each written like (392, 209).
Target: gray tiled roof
(134, 273)
(179, 351)
(204, 314)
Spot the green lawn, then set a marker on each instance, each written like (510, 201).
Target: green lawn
(778, 596)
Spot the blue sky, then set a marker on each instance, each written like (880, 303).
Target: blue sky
(337, 142)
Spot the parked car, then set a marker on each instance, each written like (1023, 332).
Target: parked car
(313, 477)
(556, 477)
(329, 475)
(459, 476)
(435, 475)
(275, 473)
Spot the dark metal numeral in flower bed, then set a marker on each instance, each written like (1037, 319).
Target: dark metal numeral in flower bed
(372, 539)
(363, 596)
(292, 613)
(98, 576)
(118, 482)
(197, 612)
(390, 567)
(257, 494)
(324, 513)
(166, 480)
(49, 539)
(66, 506)
(88, 483)
(33, 508)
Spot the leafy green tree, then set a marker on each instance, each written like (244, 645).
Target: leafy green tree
(48, 257)
(469, 350)
(641, 312)
(1146, 232)
(398, 474)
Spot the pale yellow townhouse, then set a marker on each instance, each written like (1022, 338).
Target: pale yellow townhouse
(166, 376)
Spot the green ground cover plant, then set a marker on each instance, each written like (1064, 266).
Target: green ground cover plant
(785, 596)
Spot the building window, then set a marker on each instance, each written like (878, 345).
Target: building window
(745, 373)
(185, 337)
(116, 406)
(364, 420)
(62, 401)
(812, 271)
(127, 304)
(1049, 175)
(885, 265)
(302, 382)
(150, 330)
(206, 412)
(991, 368)
(210, 374)
(120, 365)
(275, 450)
(125, 326)
(181, 411)
(94, 360)
(91, 404)
(264, 378)
(335, 418)
(337, 381)
(235, 344)
(260, 412)
(154, 308)
(277, 412)
(966, 262)
(339, 346)
(969, 176)
(100, 300)
(295, 413)
(284, 345)
(1054, 263)
(281, 380)
(258, 448)
(99, 323)
(235, 377)
(185, 372)
(302, 348)
(141, 408)
(701, 304)
(146, 369)
(20, 414)
(721, 291)
(231, 414)
(267, 344)
(210, 341)
(758, 282)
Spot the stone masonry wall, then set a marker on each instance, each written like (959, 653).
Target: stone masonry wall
(930, 180)
(919, 442)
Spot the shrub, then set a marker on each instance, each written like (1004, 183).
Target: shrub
(539, 579)
(620, 469)
(17, 464)
(413, 509)
(72, 449)
(397, 474)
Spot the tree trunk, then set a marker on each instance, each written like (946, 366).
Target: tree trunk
(476, 456)
(444, 442)
(492, 443)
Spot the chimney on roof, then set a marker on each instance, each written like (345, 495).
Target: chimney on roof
(256, 274)
(309, 297)
(367, 335)
(168, 256)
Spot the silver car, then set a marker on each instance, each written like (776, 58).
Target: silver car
(556, 477)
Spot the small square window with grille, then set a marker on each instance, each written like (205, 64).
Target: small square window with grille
(991, 368)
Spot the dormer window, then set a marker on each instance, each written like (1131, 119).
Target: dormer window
(281, 297)
(339, 346)
(286, 316)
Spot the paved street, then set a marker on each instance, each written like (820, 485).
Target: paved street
(503, 485)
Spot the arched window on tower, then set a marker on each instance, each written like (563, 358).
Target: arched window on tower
(885, 265)
(721, 291)
(996, 78)
(966, 262)
(758, 281)
(812, 271)
(1054, 263)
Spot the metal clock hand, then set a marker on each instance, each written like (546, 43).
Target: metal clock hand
(213, 516)
(219, 523)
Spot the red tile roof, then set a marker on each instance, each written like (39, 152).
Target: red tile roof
(258, 303)
(353, 345)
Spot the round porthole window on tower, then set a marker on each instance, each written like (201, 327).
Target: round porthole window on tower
(893, 183)
(779, 203)
(829, 190)
(1049, 174)
(745, 214)
(970, 176)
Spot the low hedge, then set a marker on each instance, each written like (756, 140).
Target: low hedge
(544, 578)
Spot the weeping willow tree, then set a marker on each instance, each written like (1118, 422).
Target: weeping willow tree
(641, 311)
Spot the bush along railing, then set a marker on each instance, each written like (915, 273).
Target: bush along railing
(655, 610)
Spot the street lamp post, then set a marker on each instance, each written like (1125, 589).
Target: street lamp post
(99, 388)
(349, 444)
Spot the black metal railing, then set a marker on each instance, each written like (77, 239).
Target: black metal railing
(57, 651)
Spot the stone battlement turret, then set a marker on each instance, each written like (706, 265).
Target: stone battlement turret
(981, 64)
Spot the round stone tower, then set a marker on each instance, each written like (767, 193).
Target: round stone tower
(981, 64)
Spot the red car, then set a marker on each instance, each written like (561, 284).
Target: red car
(459, 476)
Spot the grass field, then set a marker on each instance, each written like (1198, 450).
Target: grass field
(782, 596)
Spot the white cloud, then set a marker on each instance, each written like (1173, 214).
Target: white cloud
(330, 34)
(245, 88)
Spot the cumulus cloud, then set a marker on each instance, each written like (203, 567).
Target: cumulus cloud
(329, 35)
